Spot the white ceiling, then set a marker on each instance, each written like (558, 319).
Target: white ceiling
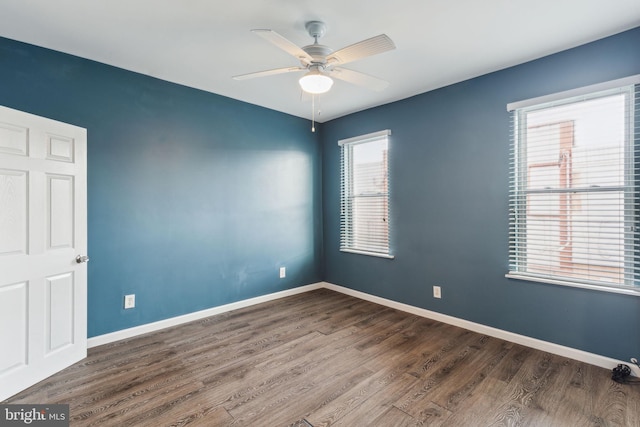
(203, 43)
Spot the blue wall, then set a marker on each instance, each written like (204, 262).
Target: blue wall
(449, 159)
(194, 200)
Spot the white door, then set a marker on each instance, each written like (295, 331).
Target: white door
(43, 228)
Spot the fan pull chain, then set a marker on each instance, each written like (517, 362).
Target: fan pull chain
(313, 113)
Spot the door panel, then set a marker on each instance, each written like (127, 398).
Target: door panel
(60, 148)
(60, 211)
(13, 214)
(13, 326)
(43, 227)
(13, 139)
(60, 291)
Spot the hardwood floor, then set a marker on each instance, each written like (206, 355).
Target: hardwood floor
(323, 358)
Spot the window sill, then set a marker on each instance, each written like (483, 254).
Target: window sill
(601, 288)
(375, 254)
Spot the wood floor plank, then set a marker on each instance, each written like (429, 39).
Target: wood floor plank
(334, 360)
(373, 397)
(513, 402)
(488, 403)
(444, 345)
(618, 406)
(568, 382)
(286, 404)
(393, 417)
(311, 369)
(509, 366)
(460, 370)
(464, 381)
(135, 408)
(238, 385)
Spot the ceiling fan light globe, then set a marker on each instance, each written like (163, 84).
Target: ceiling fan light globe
(315, 83)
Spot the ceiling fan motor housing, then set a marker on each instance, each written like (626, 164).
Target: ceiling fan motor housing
(318, 53)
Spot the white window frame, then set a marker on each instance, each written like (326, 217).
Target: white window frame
(518, 208)
(373, 244)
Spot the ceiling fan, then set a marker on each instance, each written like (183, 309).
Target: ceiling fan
(321, 62)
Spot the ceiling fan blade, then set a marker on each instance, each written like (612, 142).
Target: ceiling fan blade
(284, 44)
(358, 78)
(368, 47)
(268, 73)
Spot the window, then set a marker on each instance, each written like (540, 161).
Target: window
(364, 219)
(573, 193)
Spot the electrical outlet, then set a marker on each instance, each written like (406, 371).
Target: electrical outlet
(283, 272)
(130, 301)
(437, 292)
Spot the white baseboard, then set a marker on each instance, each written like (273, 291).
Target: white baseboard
(572, 353)
(178, 320)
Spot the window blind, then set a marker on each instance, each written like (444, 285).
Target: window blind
(364, 219)
(574, 203)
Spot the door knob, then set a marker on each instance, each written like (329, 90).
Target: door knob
(82, 259)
